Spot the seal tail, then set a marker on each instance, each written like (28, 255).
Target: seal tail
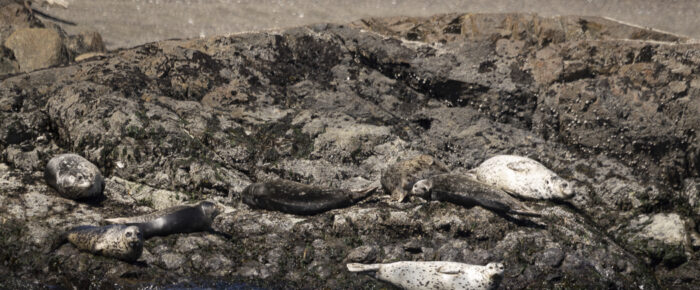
(358, 195)
(357, 267)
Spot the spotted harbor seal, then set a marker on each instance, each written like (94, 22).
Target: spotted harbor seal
(435, 275)
(398, 178)
(298, 198)
(116, 241)
(467, 191)
(74, 177)
(522, 177)
(174, 220)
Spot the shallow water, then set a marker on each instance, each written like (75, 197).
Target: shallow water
(125, 23)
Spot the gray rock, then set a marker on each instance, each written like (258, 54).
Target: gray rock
(36, 48)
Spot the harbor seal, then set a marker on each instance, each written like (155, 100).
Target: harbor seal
(115, 241)
(522, 177)
(398, 178)
(174, 220)
(74, 177)
(298, 198)
(467, 191)
(435, 275)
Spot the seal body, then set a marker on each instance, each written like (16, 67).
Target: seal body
(465, 190)
(398, 178)
(174, 220)
(298, 198)
(435, 275)
(74, 177)
(522, 177)
(116, 241)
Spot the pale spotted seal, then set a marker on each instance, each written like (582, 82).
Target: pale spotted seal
(465, 190)
(522, 177)
(298, 198)
(115, 241)
(398, 178)
(174, 220)
(74, 177)
(435, 275)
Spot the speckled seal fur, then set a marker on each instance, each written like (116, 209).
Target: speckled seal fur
(174, 220)
(115, 241)
(298, 198)
(398, 178)
(74, 177)
(435, 275)
(465, 190)
(522, 177)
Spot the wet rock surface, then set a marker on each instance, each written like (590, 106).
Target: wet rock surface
(608, 107)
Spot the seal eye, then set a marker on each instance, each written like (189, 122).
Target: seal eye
(128, 235)
(564, 185)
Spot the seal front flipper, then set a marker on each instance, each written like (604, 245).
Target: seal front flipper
(451, 269)
(522, 166)
(357, 267)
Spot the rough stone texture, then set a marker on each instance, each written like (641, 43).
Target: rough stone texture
(36, 48)
(606, 106)
(27, 44)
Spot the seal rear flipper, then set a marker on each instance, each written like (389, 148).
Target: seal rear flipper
(525, 213)
(358, 195)
(357, 267)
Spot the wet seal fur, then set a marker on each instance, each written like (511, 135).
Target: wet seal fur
(398, 178)
(74, 177)
(298, 198)
(465, 190)
(115, 241)
(174, 220)
(522, 177)
(435, 275)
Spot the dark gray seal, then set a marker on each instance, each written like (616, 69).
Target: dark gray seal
(465, 190)
(115, 241)
(175, 220)
(298, 198)
(74, 177)
(398, 178)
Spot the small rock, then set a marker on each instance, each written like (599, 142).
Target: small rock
(36, 48)
(172, 260)
(552, 257)
(74, 177)
(363, 254)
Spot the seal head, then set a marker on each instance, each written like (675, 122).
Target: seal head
(74, 177)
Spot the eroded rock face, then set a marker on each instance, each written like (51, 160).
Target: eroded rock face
(335, 105)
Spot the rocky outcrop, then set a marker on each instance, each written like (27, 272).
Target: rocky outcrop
(28, 44)
(605, 105)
